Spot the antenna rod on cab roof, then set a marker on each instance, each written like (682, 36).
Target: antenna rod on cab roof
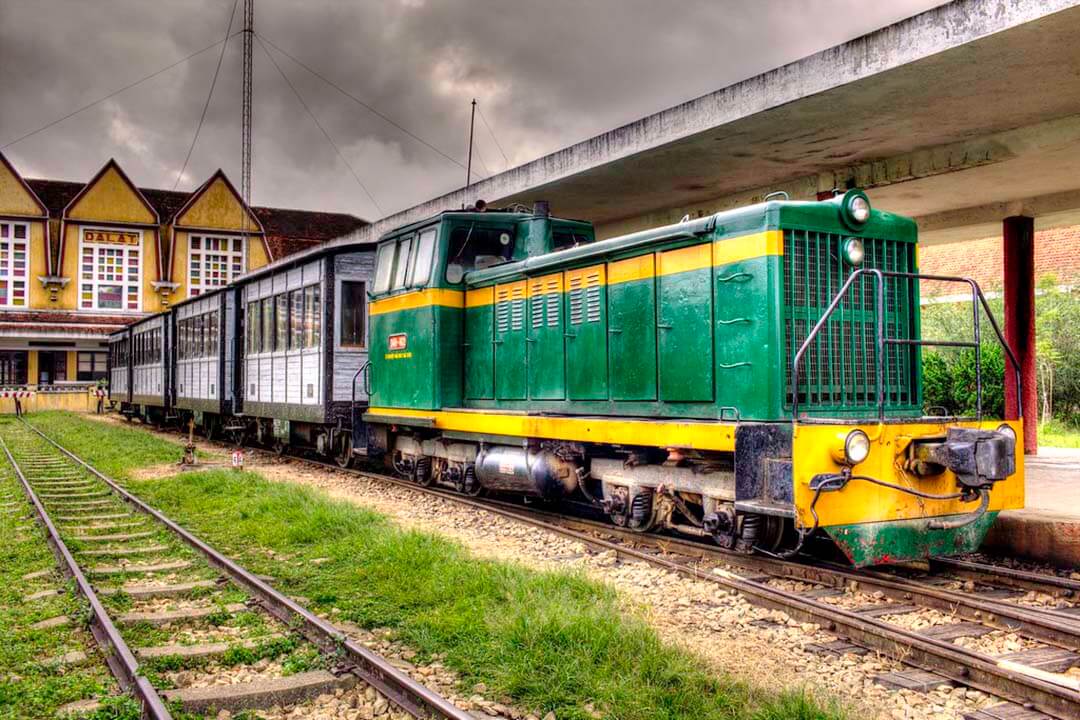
(468, 167)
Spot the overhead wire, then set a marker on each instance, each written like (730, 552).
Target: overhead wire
(209, 95)
(492, 133)
(367, 106)
(319, 125)
(113, 94)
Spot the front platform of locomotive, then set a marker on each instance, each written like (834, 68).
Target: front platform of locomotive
(869, 467)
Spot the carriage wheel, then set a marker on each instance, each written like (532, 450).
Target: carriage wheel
(344, 458)
(280, 448)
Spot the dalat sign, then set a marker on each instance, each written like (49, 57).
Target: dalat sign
(112, 237)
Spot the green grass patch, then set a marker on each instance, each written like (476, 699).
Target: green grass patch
(1059, 434)
(550, 641)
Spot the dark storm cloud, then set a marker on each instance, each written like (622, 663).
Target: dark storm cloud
(546, 74)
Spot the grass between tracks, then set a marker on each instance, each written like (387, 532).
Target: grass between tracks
(548, 641)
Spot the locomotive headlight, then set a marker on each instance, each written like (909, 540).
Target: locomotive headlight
(1006, 429)
(860, 209)
(856, 447)
(854, 251)
(855, 209)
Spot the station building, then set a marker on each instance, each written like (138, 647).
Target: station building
(78, 260)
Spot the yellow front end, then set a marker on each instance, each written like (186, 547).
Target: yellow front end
(875, 524)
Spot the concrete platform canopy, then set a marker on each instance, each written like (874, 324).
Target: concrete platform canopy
(959, 116)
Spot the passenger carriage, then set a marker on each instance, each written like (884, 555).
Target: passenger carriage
(151, 359)
(205, 373)
(304, 329)
(119, 367)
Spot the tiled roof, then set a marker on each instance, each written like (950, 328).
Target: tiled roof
(289, 230)
(61, 321)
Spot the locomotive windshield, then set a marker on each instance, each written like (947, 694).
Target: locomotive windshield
(475, 248)
(405, 262)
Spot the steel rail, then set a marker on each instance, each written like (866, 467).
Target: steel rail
(118, 656)
(1026, 579)
(408, 694)
(953, 662)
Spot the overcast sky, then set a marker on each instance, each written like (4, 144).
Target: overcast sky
(546, 73)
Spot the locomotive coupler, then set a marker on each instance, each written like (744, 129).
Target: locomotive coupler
(978, 458)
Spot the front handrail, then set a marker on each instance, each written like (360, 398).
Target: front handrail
(978, 301)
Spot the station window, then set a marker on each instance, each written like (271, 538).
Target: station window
(475, 248)
(13, 243)
(109, 270)
(13, 367)
(91, 366)
(353, 302)
(214, 261)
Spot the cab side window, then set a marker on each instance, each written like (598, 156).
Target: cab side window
(475, 248)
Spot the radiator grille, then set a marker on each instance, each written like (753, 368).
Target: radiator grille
(839, 370)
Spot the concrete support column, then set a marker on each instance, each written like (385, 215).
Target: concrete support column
(1019, 253)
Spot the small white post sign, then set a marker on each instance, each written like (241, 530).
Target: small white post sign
(238, 459)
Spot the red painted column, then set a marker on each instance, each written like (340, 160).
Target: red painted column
(1019, 252)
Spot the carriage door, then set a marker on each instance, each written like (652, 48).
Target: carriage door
(684, 324)
(510, 341)
(586, 334)
(547, 363)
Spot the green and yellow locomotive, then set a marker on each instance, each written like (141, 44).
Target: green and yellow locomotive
(753, 376)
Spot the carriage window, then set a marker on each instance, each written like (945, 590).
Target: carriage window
(384, 267)
(425, 251)
(267, 324)
(312, 316)
(475, 248)
(402, 266)
(282, 317)
(316, 320)
(353, 299)
(212, 334)
(296, 316)
(253, 327)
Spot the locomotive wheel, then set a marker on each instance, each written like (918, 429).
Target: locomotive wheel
(473, 487)
(344, 458)
(280, 448)
(238, 437)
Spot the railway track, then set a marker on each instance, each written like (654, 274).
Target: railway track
(862, 607)
(183, 627)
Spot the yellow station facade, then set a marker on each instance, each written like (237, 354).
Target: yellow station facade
(79, 260)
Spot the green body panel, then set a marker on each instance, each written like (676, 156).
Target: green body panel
(685, 345)
(404, 378)
(632, 339)
(586, 343)
(749, 338)
(904, 540)
(546, 347)
(510, 367)
(479, 353)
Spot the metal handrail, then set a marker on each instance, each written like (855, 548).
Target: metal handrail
(978, 300)
(367, 380)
